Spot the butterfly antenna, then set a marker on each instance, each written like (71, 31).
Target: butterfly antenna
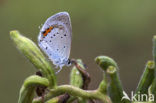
(73, 61)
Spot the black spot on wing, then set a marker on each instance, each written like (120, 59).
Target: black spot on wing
(43, 32)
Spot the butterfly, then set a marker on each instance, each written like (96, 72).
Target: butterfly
(54, 39)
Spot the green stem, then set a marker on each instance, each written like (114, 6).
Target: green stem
(146, 79)
(75, 91)
(28, 88)
(153, 88)
(75, 80)
(59, 99)
(35, 56)
(82, 100)
(154, 49)
(71, 99)
(76, 77)
(103, 86)
(104, 62)
(115, 89)
(53, 100)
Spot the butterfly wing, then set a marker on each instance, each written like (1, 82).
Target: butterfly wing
(57, 42)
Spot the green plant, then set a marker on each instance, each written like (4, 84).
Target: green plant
(45, 84)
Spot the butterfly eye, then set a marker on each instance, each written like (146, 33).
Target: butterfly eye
(69, 62)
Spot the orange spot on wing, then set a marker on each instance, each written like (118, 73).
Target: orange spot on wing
(48, 30)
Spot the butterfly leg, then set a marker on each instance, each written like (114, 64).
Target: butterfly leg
(59, 70)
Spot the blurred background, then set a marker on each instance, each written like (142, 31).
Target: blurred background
(121, 29)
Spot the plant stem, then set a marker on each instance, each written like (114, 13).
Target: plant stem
(146, 79)
(103, 86)
(75, 91)
(59, 99)
(34, 55)
(153, 88)
(76, 78)
(28, 88)
(104, 62)
(115, 89)
(154, 49)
